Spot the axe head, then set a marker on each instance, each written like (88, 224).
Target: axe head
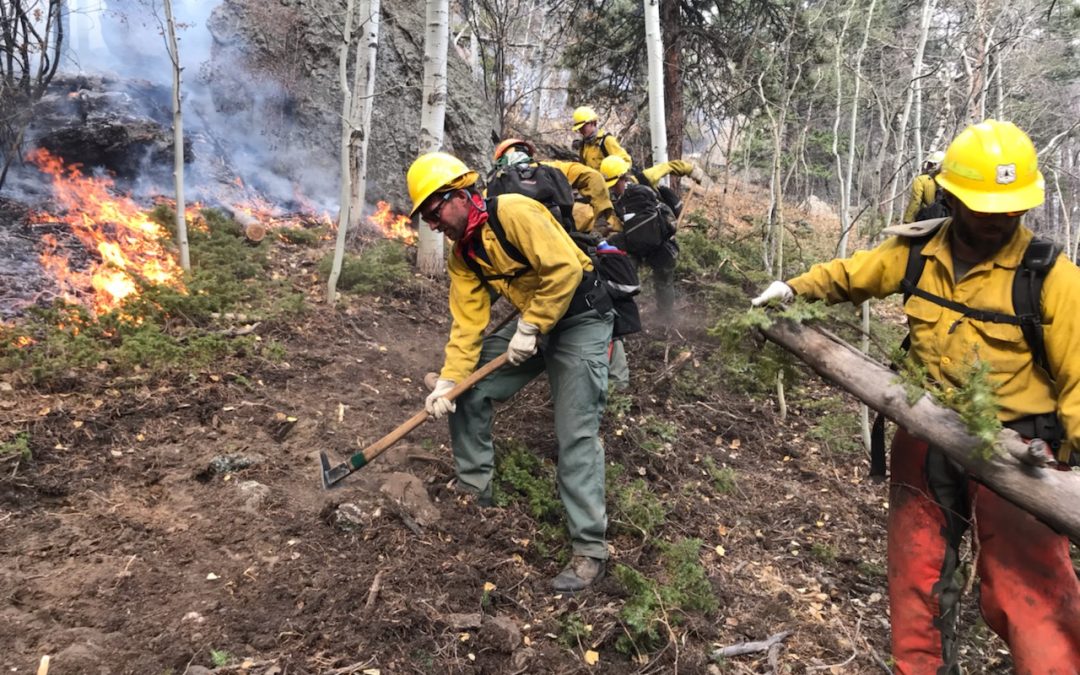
(332, 475)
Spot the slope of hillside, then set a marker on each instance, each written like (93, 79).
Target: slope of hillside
(174, 523)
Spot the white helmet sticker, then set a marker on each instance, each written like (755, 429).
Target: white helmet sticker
(1006, 173)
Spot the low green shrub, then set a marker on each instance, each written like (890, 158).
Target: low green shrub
(382, 267)
(652, 605)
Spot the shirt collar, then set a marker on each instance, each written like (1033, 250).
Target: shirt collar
(1008, 257)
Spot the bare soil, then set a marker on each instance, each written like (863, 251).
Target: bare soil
(136, 541)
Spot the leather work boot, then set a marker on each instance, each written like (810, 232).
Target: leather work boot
(581, 573)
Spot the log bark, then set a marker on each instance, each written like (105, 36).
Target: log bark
(1050, 495)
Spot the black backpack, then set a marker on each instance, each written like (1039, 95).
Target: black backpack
(614, 279)
(667, 195)
(647, 223)
(935, 209)
(543, 183)
(1039, 258)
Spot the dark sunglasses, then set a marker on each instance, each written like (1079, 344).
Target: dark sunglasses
(432, 216)
(1010, 214)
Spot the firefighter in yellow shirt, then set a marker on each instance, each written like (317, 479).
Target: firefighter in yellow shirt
(513, 246)
(595, 143)
(924, 190)
(1029, 593)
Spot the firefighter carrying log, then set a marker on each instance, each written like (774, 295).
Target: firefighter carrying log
(960, 308)
(513, 246)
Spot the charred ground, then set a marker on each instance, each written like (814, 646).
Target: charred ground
(156, 524)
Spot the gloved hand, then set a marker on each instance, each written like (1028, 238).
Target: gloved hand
(699, 176)
(1038, 453)
(777, 290)
(523, 344)
(436, 403)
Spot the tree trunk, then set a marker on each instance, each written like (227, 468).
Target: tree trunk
(1052, 496)
(655, 46)
(363, 102)
(178, 141)
(429, 255)
(671, 27)
(345, 150)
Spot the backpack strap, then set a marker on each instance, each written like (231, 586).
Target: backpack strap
(1039, 258)
(602, 141)
(500, 234)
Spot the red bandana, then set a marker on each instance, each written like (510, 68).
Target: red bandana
(478, 215)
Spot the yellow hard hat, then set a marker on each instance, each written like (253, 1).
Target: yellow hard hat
(613, 167)
(583, 115)
(992, 167)
(433, 172)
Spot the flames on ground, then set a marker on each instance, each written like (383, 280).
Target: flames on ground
(127, 248)
(129, 244)
(393, 225)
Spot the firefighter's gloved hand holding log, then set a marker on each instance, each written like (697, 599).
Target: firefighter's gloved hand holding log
(523, 344)
(436, 403)
(777, 290)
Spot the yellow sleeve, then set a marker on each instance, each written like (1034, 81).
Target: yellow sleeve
(1062, 335)
(867, 274)
(590, 183)
(916, 200)
(552, 255)
(675, 167)
(470, 308)
(611, 144)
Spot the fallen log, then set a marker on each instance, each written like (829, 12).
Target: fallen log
(1050, 495)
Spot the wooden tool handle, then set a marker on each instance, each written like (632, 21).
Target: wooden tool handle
(378, 447)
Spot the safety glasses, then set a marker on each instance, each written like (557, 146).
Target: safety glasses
(432, 217)
(1010, 214)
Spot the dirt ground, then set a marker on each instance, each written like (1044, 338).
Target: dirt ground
(166, 526)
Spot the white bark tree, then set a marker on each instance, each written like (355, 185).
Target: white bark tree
(363, 102)
(655, 47)
(430, 258)
(348, 126)
(178, 138)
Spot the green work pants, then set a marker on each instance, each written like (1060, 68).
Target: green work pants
(618, 365)
(574, 355)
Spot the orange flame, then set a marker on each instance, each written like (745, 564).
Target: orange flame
(392, 224)
(129, 243)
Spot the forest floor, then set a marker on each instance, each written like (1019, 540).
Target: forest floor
(164, 523)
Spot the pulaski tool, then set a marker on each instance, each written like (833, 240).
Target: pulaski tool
(333, 475)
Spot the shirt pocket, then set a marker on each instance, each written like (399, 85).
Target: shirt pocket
(1002, 345)
(923, 316)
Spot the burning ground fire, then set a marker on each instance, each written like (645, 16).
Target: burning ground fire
(131, 248)
(393, 225)
(129, 243)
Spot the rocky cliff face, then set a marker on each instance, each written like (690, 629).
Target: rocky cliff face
(274, 74)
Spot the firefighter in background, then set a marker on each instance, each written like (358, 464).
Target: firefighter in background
(586, 182)
(590, 184)
(924, 190)
(1028, 591)
(595, 144)
(564, 330)
(645, 229)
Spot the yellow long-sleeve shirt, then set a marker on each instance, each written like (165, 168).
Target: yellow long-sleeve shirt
(677, 167)
(542, 293)
(592, 154)
(590, 183)
(923, 191)
(946, 343)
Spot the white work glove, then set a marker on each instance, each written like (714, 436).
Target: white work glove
(777, 290)
(437, 404)
(523, 344)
